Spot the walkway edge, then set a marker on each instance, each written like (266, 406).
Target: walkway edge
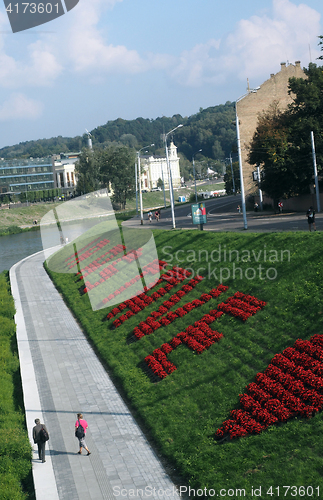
(43, 474)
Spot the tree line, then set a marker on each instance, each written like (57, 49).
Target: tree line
(32, 196)
(211, 129)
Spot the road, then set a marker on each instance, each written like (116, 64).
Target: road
(222, 215)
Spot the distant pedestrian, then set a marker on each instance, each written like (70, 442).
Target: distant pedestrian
(311, 218)
(150, 215)
(256, 206)
(40, 438)
(157, 215)
(239, 209)
(80, 434)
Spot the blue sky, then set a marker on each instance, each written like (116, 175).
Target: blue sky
(124, 58)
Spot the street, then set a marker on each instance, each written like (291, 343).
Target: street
(222, 215)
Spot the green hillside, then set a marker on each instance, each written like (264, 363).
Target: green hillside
(210, 129)
(182, 412)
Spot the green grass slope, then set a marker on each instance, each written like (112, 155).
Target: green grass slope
(182, 412)
(15, 450)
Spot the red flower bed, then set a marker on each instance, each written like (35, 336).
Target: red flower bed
(143, 299)
(241, 306)
(196, 338)
(292, 385)
(181, 311)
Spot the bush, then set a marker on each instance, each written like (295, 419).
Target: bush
(15, 456)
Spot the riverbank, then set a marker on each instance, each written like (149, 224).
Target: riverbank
(19, 218)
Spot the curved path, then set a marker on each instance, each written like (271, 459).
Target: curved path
(61, 376)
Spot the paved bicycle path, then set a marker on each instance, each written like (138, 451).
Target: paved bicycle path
(61, 375)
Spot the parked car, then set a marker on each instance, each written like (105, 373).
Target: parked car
(156, 189)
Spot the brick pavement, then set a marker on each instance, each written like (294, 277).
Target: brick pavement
(61, 376)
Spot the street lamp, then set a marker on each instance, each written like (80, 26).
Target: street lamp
(233, 185)
(243, 201)
(139, 176)
(170, 182)
(194, 172)
(136, 182)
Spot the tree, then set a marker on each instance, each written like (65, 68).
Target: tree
(306, 115)
(117, 165)
(270, 149)
(282, 141)
(88, 172)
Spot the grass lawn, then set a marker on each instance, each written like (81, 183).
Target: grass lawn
(15, 456)
(182, 412)
(20, 216)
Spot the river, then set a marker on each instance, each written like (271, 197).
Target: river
(15, 247)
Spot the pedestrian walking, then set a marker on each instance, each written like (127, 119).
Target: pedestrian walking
(40, 436)
(311, 218)
(81, 427)
(157, 215)
(256, 206)
(150, 215)
(239, 209)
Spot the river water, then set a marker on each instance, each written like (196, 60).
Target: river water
(16, 247)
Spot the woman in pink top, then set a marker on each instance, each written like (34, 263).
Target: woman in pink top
(83, 423)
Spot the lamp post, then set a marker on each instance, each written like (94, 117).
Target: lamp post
(170, 182)
(243, 200)
(26, 189)
(136, 181)
(139, 176)
(317, 191)
(194, 172)
(233, 185)
(162, 173)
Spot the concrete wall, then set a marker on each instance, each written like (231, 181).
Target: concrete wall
(296, 204)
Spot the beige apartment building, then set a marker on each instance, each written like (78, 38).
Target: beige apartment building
(256, 102)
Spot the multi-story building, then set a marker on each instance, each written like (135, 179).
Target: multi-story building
(21, 176)
(275, 89)
(155, 168)
(64, 171)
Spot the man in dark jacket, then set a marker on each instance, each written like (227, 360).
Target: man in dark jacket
(37, 437)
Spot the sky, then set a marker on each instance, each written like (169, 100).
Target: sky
(109, 59)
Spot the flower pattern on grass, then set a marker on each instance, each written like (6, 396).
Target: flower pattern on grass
(200, 336)
(291, 386)
(172, 277)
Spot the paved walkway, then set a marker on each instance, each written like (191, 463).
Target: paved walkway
(61, 376)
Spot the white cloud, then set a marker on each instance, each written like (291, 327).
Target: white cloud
(39, 68)
(255, 48)
(87, 48)
(18, 106)
(78, 46)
